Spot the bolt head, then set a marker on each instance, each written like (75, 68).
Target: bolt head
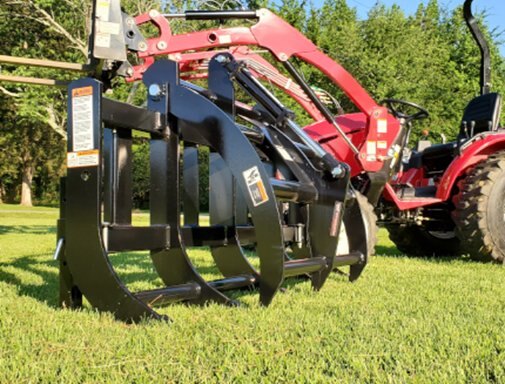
(142, 46)
(221, 59)
(161, 45)
(337, 172)
(155, 91)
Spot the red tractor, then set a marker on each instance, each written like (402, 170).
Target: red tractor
(450, 198)
(438, 200)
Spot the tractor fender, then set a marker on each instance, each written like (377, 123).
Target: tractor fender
(479, 149)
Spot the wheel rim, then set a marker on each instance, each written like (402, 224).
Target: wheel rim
(443, 235)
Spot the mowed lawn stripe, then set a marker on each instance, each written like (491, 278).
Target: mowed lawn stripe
(405, 320)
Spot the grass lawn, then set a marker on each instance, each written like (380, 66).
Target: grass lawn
(405, 320)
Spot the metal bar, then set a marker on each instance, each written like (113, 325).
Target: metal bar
(350, 259)
(118, 195)
(299, 267)
(116, 114)
(127, 238)
(168, 295)
(45, 63)
(59, 248)
(255, 136)
(267, 100)
(319, 105)
(192, 291)
(124, 177)
(236, 282)
(293, 191)
(215, 235)
(213, 15)
(191, 183)
(33, 80)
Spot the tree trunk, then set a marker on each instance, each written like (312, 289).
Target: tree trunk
(26, 185)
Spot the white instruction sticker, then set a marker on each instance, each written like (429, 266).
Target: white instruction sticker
(108, 27)
(255, 186)
(82, 119)
(102, 40)
(83, 159)
(285, 155)
(382, 126)
(371, 148)
(224, 39)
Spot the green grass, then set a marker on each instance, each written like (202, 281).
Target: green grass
(405, 320)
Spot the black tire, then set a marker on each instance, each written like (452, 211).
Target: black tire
(416, 241)
(368, 212)
(480, 211)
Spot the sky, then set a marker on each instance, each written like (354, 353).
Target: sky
(495, 9)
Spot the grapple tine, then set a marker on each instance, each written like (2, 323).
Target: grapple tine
(191, 185)
(357, 238)
(229, 258)
(214, 128)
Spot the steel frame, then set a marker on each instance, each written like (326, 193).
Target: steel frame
(96, 197)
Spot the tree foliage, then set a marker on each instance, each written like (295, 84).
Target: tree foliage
(429, 58)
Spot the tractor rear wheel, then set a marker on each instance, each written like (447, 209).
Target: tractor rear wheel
(417, 241)
(480, 211)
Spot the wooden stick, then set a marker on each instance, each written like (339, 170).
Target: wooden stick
(45, 63)
(33, 80)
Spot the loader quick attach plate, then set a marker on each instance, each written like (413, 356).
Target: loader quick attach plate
(250, 177)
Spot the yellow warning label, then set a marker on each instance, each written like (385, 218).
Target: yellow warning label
(84, 91)
(83, 159)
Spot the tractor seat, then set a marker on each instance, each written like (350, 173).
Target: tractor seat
(481, 114)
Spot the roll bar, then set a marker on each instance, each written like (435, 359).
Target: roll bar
(485, 60)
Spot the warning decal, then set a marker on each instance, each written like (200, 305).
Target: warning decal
(83, 159)
(255, 186)
(82, 119)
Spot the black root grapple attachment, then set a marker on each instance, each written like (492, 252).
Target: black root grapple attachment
(271, 187)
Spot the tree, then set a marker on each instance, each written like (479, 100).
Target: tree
(56, 30)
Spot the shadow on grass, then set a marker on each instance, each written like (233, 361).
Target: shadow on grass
(32, 265)
(132, 268)
(27, 229)
(393, 252)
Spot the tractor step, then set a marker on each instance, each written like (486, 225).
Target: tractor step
(419, 192)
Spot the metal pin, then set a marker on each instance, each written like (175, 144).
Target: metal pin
(59, 249)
